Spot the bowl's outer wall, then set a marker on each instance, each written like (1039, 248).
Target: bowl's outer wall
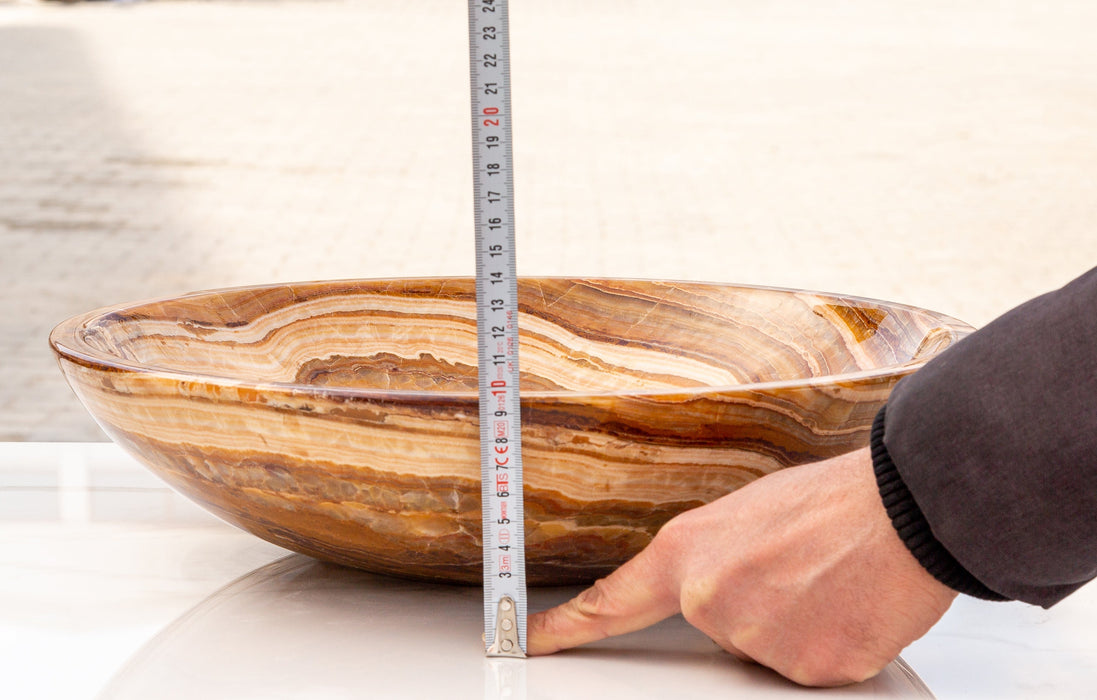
(392, 483)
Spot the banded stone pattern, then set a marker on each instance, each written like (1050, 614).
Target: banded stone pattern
(339, 419)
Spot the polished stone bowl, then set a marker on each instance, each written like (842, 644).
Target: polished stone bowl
(339, 419)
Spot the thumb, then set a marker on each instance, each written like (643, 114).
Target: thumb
(639, 594)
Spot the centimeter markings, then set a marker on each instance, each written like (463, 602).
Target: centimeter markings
(497, 331)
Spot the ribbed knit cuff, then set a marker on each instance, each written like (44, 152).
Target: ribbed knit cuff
(912, 526)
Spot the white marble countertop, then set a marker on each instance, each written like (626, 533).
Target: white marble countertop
(113, 586)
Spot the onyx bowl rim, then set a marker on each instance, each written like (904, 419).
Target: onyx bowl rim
(81, 353)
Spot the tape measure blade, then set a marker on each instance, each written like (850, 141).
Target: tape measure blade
(497, 330)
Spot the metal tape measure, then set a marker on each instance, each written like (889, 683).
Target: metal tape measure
(497, 331)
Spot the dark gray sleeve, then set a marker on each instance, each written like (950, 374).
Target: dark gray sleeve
(987, 457)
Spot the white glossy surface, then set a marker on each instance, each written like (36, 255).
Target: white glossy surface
(297, 628)
(112, 585)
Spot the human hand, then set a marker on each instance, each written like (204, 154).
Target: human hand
(800, 571)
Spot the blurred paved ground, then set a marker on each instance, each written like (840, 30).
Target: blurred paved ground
(942, 154)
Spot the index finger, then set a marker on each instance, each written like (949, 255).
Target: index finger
(639, 594)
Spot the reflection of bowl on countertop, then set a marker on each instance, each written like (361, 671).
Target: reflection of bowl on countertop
(339, 419)
(298, 628)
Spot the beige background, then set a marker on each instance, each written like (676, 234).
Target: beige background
(938, 153)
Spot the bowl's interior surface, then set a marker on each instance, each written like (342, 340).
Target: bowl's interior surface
(576, 335)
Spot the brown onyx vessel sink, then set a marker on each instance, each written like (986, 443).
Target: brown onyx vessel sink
(339, 419)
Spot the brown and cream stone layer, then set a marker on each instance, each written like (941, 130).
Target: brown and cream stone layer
(340, 419)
